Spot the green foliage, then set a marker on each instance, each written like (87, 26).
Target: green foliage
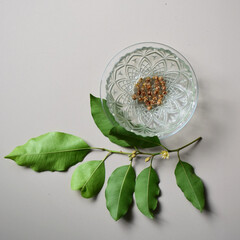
(190, 184)
(57, 151)
(119, 191)
(147, 191)
(104, 120)
(89, 178)
(53, 151)
(133, 139)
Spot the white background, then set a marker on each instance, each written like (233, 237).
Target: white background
(52, 55)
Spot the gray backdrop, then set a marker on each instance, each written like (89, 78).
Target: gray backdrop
(52, 55)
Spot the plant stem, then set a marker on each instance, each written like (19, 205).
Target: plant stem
(178, 156)
(164, 147)
(146, 153)
(107, 156)
(110, 151)
(138, 152)
(178, 149)
(151, 161)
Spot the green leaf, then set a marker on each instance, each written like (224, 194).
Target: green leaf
(104, 120)
(89, 178)
(53, 151)
(133, 139)
(119, 191)
(147, 191)
(190, 184)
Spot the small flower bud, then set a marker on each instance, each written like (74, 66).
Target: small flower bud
(147, 159)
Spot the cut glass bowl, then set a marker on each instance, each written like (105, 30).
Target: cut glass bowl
(147, 60)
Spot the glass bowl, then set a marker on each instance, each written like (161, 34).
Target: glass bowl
(149, 59)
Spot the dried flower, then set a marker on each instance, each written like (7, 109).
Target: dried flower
(150, 91)
(134, 96)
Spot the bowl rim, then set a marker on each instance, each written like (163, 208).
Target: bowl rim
(161, 45)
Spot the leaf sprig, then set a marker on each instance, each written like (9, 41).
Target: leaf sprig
(57, 151)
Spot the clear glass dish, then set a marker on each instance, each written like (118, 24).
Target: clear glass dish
(149, 59)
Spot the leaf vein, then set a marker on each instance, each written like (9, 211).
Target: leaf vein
(62, 151)
(195, 195)
(121, 188)
(82, 188)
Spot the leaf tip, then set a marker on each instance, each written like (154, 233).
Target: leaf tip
(92, 96)
(116, 218)
(150, 215)
(11, 156)
(201, 209)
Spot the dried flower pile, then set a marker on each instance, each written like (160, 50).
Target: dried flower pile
(151, 91)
